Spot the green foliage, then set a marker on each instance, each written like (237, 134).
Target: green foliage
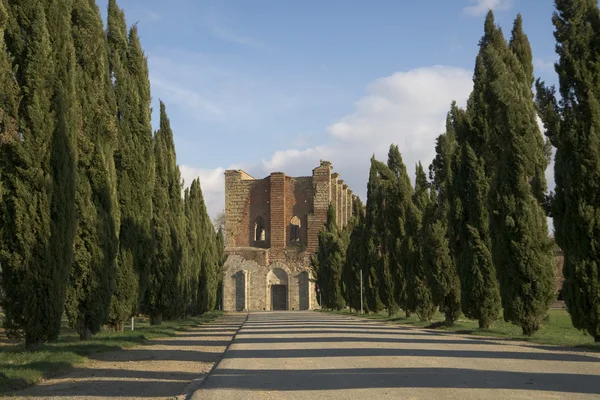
(520, 246)
(354, 261)
(472, 164)
(573, 126)
(378, 233)
(438, 261)
(162, 294)
(469, 227)
(418, 292)
(96, 242)
(398, 199)
(327, 263)
(134, 164)
(38, 170)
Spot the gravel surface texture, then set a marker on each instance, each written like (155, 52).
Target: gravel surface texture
(163, 369)
(309, 355)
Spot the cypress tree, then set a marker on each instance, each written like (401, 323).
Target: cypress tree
(162, 292)
(220, 246)
(194, 239)
(372, 257)
(399, 198)
(38, 198)
(134, 164)
(380, 232)
(469, 226)
(353, 263)
(327, 263)
(473, 163)
(573, 126)
(418, 294)
(520, 245)
(96, 241)
(438, 260)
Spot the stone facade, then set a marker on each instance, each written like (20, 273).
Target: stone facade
(271, 228)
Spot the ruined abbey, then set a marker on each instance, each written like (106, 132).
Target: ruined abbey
(271, 231)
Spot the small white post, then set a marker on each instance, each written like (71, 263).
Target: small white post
(132, 322)
(361, 293)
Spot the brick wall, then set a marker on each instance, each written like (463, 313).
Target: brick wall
(278, 221)
(321, 182)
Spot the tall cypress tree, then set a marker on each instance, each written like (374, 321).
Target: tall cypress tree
(472, 166)
(469, 226)
(327, 263)
(353, 263)
(194, 239)
(220, 246)
(209, 262)
(162, 292)
(573, 126)
(372, 257)
(418, 293)
(381, 183)
(520, 245)
(398, 197)
(38, 201)
(438, 260)
(134, 164)
(96, 241)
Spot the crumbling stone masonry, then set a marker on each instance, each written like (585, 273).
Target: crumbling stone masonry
(271, 231)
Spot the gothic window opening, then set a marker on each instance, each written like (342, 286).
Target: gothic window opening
(295, 229)
(259, 230)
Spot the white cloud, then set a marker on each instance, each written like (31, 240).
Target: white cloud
(406, 108)
(480, 7)
(544, 65)
(221, 30)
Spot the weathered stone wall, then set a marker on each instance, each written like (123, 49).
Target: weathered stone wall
(247, 284)
(253, 266)
(299, 203)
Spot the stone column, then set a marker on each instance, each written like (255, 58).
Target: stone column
(349, 205)
(334, 196)
(340, 203)
(278, 218)
(321, 178)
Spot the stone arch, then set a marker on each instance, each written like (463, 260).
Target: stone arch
(278, 289)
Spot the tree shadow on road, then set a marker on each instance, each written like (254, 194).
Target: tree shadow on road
(371, 378)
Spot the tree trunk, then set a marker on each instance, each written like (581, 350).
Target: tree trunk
(156, 319)
(85, 334)
(484, 324)
(408, 314)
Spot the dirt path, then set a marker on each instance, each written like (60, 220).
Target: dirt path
(163, 369)
(306, 356)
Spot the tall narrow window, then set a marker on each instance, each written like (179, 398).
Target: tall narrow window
(259, 230)
(295, 229)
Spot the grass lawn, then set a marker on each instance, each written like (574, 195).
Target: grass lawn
(557, 330)
(20, 368)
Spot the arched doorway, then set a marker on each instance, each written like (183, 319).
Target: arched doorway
(277, 289)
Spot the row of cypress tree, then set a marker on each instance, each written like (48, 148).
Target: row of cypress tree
(473, 238)
(92, 219)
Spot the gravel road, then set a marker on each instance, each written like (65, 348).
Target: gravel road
(164, 369)
(308, 355)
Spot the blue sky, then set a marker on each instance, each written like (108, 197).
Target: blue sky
(276, 85)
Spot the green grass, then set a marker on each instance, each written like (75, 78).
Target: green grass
(556, 330)
(20, 367)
